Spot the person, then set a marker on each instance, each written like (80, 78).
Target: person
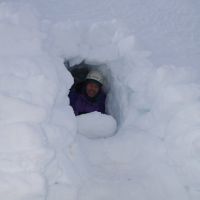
(90, 97)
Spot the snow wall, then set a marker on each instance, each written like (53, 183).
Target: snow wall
(155, 153)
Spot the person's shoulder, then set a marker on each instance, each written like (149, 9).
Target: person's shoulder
(102, 95)
(73, 91)
(73, 94)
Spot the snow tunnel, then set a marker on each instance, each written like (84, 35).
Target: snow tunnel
(155, 155)
(79, 71)
(110, 48)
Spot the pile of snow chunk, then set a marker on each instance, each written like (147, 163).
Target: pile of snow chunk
(32, 89)
(96, 125)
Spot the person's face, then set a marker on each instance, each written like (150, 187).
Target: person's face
(92, 89)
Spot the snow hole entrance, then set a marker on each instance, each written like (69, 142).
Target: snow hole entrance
(110, 48)
(105, 123)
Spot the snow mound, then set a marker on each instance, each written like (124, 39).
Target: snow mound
(96, 125)
(155, 153)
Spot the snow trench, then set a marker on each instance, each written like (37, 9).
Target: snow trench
(155, 152)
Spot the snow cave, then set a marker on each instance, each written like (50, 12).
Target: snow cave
(154, 153)
(103, 125)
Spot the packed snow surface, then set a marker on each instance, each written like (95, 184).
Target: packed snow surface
(96, 125)
(154, 154)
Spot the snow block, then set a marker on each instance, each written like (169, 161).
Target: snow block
(20, 137)
(96, 125)
(22, 186)
(16, 110)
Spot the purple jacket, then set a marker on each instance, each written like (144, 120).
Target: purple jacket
(81, 104)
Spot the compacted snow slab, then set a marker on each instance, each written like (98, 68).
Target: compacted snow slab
(96, 125)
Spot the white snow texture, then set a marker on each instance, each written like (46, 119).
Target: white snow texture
(154, 154)
(96, 125)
